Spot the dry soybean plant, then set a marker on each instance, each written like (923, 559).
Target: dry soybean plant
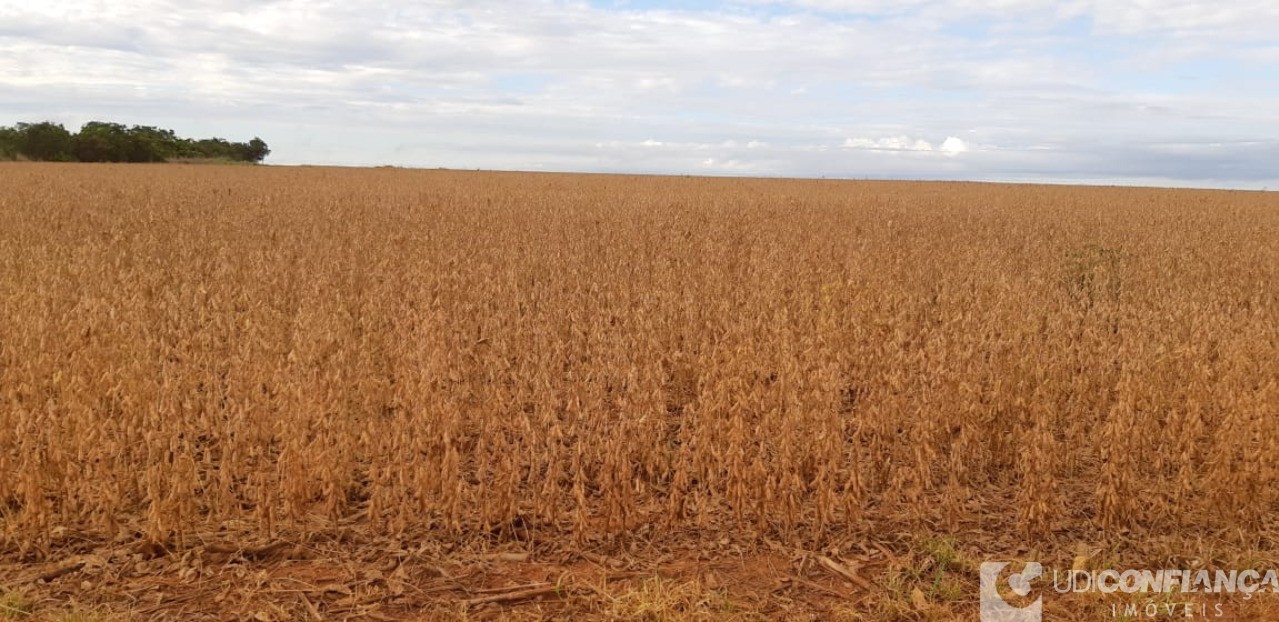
(470, 355)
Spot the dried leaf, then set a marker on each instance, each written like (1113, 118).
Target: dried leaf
(918, 600)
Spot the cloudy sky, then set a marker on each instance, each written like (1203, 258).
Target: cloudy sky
(1169, 92)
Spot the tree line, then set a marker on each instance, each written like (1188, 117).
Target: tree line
(99, 141)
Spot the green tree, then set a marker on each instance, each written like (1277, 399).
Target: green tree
(44, 141)
(151, 144)
(101, 142)
(257, 151)
(8, 143)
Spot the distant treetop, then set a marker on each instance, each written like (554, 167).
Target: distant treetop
(99, 141)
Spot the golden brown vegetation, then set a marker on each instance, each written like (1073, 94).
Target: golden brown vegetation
(462, 357)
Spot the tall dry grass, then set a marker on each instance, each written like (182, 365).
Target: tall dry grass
(457, 355)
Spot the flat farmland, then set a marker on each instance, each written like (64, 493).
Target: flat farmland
(230, 392)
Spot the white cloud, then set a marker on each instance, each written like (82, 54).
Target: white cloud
(1253, 19)
(891, 143)
(953, 145)
(1022, 89)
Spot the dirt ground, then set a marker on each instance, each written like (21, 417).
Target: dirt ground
(344, 575)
